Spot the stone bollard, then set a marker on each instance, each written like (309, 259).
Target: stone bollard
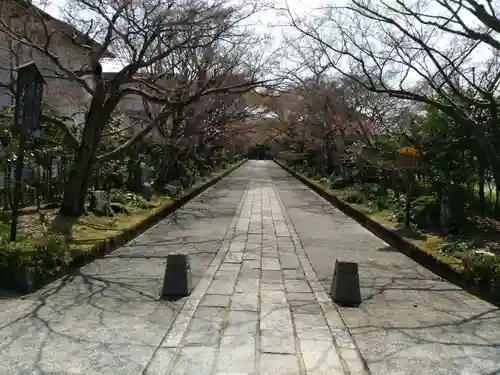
(345, 284)
(177, 282)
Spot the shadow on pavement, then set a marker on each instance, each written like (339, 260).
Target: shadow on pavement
(411, 322)
(107, 317)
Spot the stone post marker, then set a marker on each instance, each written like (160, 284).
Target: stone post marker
(345, 284)
(177, 282)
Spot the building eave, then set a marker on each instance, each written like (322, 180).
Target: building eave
(64, 26)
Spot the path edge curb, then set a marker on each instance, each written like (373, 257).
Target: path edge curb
(398, 242)
(28, 283)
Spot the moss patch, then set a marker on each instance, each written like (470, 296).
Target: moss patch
(91, 230)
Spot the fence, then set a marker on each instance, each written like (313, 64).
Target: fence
(41, 184)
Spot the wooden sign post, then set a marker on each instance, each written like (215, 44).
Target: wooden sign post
(26, 124)
(407, 159)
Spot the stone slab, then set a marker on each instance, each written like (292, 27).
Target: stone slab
(241, 323)
(225, 287)
(270, 299)
(320, 357)
(270, 264)
(205, 326)
(236, 355)
(162, 359)
(276, 319)
(278, 342)
(301, 296)
(215, 300)
(306, 307)
(234, 257)
(272, 286)
(272, 276)
(194, 360)
(247, 285)
(293, 274)
(311, 327)
(297, 286)
(279, 364)
(251, 262)
(245, 301)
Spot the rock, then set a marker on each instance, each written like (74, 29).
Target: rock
(452, 212)
(171, 190)
(147, 190)
(483, 252)
(51, 206)
(119, 208)
(100, 204)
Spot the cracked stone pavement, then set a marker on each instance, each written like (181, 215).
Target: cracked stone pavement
(262, 248)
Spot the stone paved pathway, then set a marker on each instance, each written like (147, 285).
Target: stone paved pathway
(262, 249)
(411, 322)
(106, 318)
(259, 308)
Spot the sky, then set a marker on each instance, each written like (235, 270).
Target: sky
(268, 22)
(265, 22)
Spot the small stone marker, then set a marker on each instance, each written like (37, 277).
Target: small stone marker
(177, 282)
(345, 284)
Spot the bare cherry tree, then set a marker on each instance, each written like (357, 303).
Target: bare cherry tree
(211, 82)
(421, 51)
(147, 36)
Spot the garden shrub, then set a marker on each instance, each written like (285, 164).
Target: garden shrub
(293, 159)
(458, 246)
(378, 194)
(482, 269)
(189, 178)
(426, 211)
(46, 255)
(310, 172)
(373, 191)
(129, 199)
(339, 181)
(205, 171)
(353, 195)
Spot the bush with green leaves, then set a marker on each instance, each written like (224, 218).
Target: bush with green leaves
(482, 269)
(353, 195)
(294, 159)
(129, 199)
(341, 180)
(380, 195)
(457, 246)
(46, 255)
(189, 178)
(425, 211)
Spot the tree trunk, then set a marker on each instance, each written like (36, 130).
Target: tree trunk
(488, 150)
(161, 178)
(497, 191)
(80, 175)
(482, 199)
(167, 170)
